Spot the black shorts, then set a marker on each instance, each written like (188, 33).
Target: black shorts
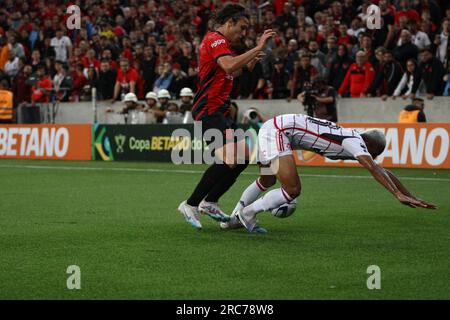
(217, 121)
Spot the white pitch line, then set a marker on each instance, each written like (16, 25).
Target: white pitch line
(123, 169)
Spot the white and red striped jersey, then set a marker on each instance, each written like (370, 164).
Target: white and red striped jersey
(320, 136)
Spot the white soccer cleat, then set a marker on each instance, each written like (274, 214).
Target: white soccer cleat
(190, 214)
(213, 210)
(250, 222)
(234, 223)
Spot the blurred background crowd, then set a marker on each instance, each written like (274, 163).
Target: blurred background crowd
(322, 49)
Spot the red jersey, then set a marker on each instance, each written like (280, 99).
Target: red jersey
(215, 84)
(411, 14)
(359, 79)
(40, 93)
(129, 76)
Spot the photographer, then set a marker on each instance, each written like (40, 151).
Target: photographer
(319, 100)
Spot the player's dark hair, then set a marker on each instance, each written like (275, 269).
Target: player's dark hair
(230, 11)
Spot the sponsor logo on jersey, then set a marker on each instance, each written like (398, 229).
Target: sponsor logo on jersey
(217, 42)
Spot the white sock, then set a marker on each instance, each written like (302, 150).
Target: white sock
(271, 200)
(250, 195)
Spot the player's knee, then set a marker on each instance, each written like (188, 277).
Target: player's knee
(267, 181)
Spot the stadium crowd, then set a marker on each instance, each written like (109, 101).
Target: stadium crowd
(143, 46)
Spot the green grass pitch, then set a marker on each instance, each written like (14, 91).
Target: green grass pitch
(119, 223)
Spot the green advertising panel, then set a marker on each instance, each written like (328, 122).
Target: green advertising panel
(154, 142)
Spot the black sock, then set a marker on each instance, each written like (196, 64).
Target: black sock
(225, 184)
(210, 178)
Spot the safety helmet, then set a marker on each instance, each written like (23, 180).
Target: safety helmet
(151, 95)
(163, 93)
(186, 92)
(130, 97)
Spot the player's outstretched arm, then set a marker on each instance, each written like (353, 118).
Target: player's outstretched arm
(406, 192)
(385, 180)
(232, 64)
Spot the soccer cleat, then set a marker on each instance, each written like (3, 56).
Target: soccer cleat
(234, 223)
(190, 214)
(250, 223)
(212, 210)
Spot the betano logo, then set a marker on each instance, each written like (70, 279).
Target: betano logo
(32, 142)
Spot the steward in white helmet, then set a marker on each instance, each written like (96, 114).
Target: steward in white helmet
(163, 98)
(131, 103)
(186, 96)
(152, 106)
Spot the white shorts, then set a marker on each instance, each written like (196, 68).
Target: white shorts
(272, 143)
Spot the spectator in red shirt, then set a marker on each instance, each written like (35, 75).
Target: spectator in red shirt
(405, 10)
(43, 86)
(90, 60)
(127, 79)
(359, 77)
(79, 81)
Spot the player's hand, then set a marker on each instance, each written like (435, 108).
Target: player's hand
(264, 38)
(426, 204)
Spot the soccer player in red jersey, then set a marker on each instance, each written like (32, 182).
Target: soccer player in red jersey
(217, 66)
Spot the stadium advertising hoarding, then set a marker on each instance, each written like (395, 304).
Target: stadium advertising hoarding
(58, 142)
(150, 142)
(136, 142)
(407, 146)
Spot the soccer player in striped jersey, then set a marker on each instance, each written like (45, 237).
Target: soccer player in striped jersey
(218, 64)
(277, 139)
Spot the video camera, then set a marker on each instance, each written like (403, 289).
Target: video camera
(310, 101)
